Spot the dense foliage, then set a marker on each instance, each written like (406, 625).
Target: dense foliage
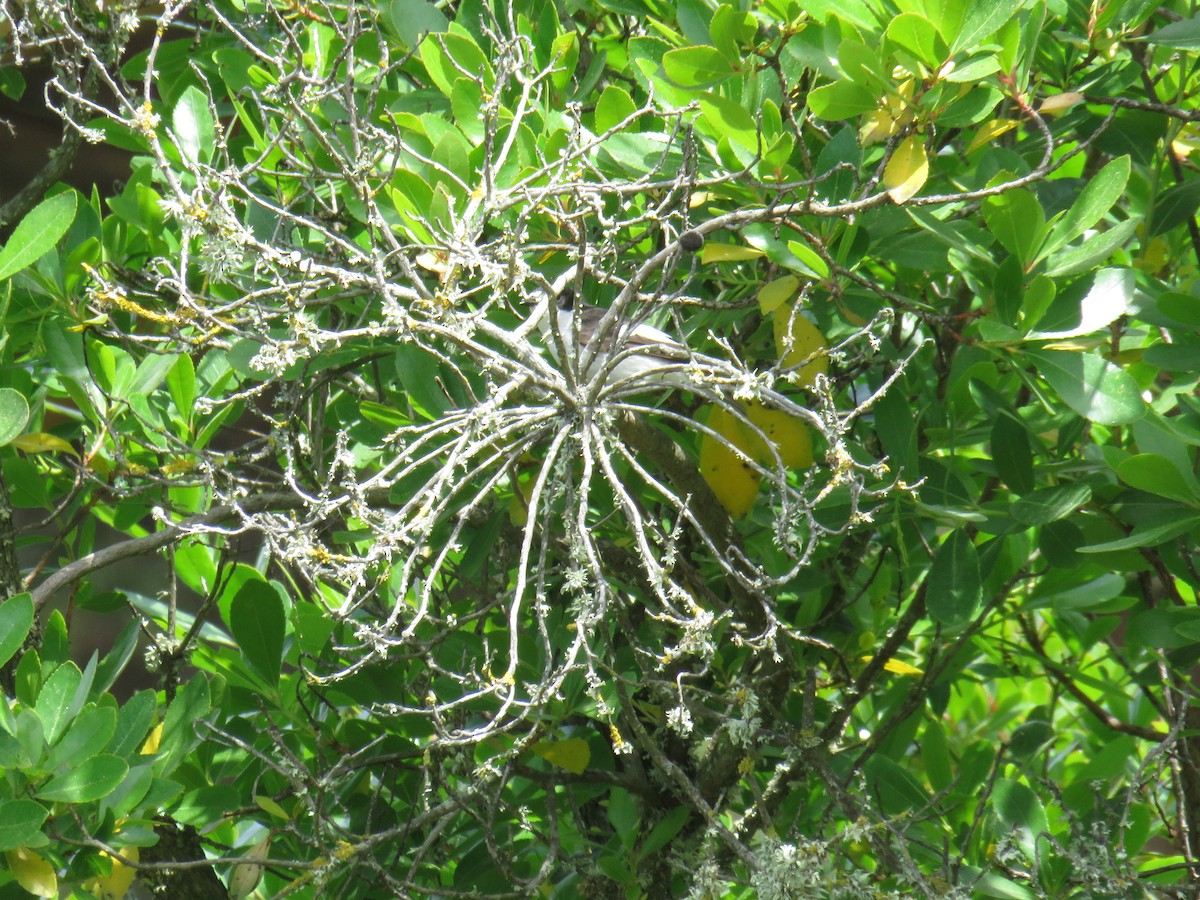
(885, 585)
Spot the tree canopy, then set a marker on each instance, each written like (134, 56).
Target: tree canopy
(880, 580)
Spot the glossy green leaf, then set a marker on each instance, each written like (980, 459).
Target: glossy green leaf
(1017, 221)
(1158, 475)
(841, 100)
(614, 106)
(56, 698)
(37, 233)
(192, 123)
(93, 779)
(696, 66)
(729, 119)
(954, 588)
(1095, 200)
(89, 734)
(20, 822)
(14, 414)
(917, 35)
(1107, 301)
(1095, 388)
(1149, 535)
(258, 624)
(1052, 503)
(1092, 251)
(16, 619)
(1181, 35)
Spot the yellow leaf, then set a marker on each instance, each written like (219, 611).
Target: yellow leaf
(777, 293)
(714, 253)
(989, 131)
(896, 667)
(42, 442)
(572, 754)
(797, 339)
(907, 170)
(1059, 103)
(150, 746)
(32, 872)
(876, 126)
(727, 472)
(268, 804)
(789, 435)
(117, 883)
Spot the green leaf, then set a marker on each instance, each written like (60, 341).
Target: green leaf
(55, 699)
(897, 788)
(935, 756)
(954, 587)
(1051, 504)
(1018, 807)
(1094, 250)
(88, 735)
(1012, 453)
(696, 66)
(729, 119)
(841, 100)
(666, 828)
(192, 123)
(1175, 206)
(258, 624)
(14, 414)
(1158, 475)
(413, 19)
(16, 620)
(1108, 300)
(133, 723)
(37, 233)
(1092, 386)
(117, 658)
(1148, 536)
(1182, 35)
(179, 725)
(981, 20)
(20, 822)
(614, 107)
(1097, 197)
(1017, 221)
(91, 780)
(917, 35)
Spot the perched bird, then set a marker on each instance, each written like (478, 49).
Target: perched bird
(643, 355)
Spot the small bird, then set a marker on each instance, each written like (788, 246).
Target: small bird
(645, 355)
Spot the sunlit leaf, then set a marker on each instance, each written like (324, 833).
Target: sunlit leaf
(907, 170)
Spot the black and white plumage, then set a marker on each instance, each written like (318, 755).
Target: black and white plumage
(641, 356)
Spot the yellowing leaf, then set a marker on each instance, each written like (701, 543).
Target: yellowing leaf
(1059, 103)
(907, 170)
(32, 872)
(714, 253)
(876, 126)
(989, 131)
(268, 804)
(777, 293)
(150, 746)
(728, 473)
(896, 667)
(117, 883)
(797, 339)
(42, 442)
(572, 754)
(790, 436)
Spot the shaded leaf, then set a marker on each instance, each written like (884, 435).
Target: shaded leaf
(954, 587)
